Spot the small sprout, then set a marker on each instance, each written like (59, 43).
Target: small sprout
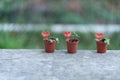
(75, 34)
(46, 37)
(57, 40)
(69, 35)
(101, 37)
(107, 41)
(51, 41)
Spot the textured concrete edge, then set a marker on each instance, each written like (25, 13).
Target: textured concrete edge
(42, 50)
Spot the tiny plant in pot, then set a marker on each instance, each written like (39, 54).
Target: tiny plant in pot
(72, 42)
(102, 42)
(49, 43)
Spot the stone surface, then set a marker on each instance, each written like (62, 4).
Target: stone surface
(25, 64)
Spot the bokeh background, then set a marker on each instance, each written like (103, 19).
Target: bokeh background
(63, 12)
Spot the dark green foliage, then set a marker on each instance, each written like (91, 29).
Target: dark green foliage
(92, 11)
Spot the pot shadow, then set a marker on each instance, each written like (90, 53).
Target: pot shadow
(94, 52)
(43, 52)
(65, 52)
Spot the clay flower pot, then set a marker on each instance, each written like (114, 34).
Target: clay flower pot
(72, 45)
(102, 42)
(49, 46)
(101, 47)
(49, 43)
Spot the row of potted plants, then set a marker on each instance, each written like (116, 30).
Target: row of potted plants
(72, 41)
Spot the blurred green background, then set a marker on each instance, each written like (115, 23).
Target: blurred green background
(60, 11)
(57, 12)
(33, 40)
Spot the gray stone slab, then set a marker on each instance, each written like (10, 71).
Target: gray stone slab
(34, 64)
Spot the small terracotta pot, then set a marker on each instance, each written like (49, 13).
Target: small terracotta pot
(101, 47)
(72, 47)
(49, 47)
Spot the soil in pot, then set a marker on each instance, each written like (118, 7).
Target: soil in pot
(101, 47)
(72, 45)
(50, 46)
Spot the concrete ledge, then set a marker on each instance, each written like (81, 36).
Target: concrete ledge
(25, 64)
